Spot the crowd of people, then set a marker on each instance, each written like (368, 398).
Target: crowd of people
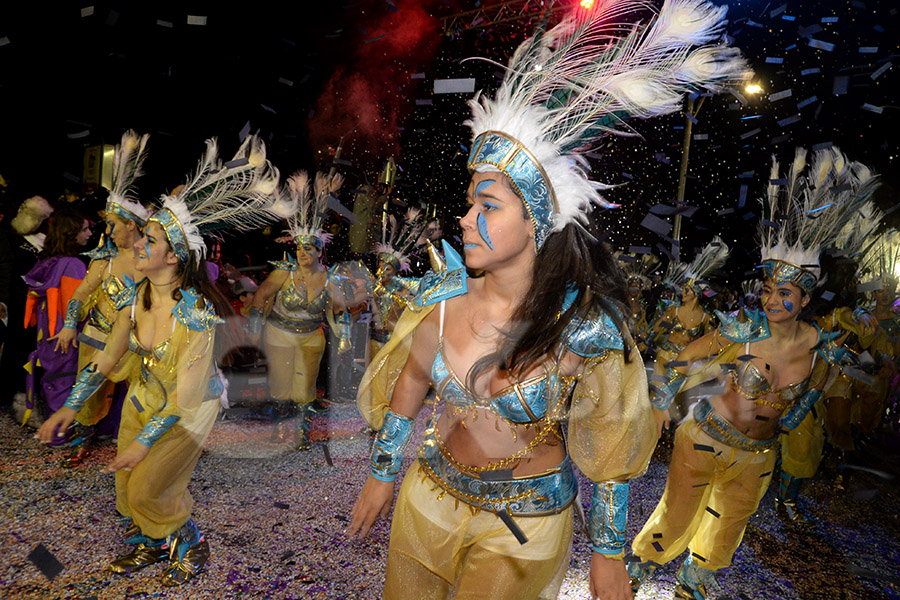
(534, 340)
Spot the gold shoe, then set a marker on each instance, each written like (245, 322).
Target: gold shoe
(180, 572)
(787, 510)
(132, 531)
(303, 444)
(682, 592)
(140, 557)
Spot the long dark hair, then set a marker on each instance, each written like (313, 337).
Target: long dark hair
(195, 275)
(62, 233)
(573, 258)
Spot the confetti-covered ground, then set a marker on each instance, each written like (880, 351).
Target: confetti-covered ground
(275, 519)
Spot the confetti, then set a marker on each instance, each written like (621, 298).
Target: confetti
(807, 102)
(880, 70)
(196, 20)
(820, 45)
(454, 86)
(750, 133)
(87, 11)
(656, 225)
(46, 563)
(875, 109)
(780, 95)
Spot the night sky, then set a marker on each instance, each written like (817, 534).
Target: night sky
(307, 75)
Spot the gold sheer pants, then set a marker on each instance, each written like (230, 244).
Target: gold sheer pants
(440, 550)
(293, 360)
(801, 449)
(155, 493)
(709, 497)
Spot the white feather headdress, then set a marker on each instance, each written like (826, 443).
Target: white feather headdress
(710, 259)
(638, 270)
(312, 206)
(398, 241)
(127, 167)
(805, 212)
(238, 195)
(569, 87)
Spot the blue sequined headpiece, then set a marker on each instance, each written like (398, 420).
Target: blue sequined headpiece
(785, 272)
(174, 232)
(528, 178)
(114, 208)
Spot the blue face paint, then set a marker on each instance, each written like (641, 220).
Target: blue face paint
(482, 230)
(483, 185)
(788, 305)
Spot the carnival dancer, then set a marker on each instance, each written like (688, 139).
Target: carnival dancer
(305, 295)
(111, 272)
(539, 338)
(51, 282)
(392, 292)
(165, 336)
(684, 319)
(637, 271)
(775, 367)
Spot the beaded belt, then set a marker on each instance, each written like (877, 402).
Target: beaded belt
(293, 325)
(718, 428)
(531, 496)
(100, 322)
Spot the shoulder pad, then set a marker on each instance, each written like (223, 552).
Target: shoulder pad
(285, 265)
(188, 314)
(104, 251)
(434, 287)
(590, 337)
(126, 296)
(744, 325)
(410, 283)
(829, 350)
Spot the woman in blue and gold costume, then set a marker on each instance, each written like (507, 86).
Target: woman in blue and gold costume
(111, 272)
(301, 295)
(163, 342)
(536, 340)
(774, 366)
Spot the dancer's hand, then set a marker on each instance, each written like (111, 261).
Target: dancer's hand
(64, 339)
(57, 424)
(662, 420)
(128, 458)
(374, 500)
(608, 579)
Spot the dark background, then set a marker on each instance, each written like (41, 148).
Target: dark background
(306, 75)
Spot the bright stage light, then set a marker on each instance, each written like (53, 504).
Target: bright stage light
(753, 88)
(587, 3)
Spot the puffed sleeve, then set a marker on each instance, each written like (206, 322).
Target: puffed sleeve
(611, 431)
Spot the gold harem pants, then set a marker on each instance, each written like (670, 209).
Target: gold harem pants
(154, 494)
(97, 406)
(439, 549)
(293, 360)
(711, 492)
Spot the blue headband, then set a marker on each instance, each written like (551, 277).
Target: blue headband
(785, 272)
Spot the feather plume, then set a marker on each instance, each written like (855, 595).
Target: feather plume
(827, 205)
(127, 167)
(238, 195)
(710, 259)
(312, 204)
(399, 241)
(567, 88)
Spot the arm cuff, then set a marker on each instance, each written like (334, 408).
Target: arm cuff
(608, 518)
(387, 451)
(155, 428)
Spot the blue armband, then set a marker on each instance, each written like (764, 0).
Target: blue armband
(89, 381)
(798, 411)
(858, 313)
(155, 428)
(255, 324)
(661, 397)
(73, 312)
(387, 451)
(608, 517)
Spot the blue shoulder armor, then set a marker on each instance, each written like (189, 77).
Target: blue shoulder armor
(103, 251)
(744, 325)
(288, 264)
(442, 285)
(188, 314)
(590, 337)
(127, 295)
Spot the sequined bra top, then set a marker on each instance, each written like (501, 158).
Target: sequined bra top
(292, 303)
(750, 383)
(693, 332)
(522, 402)
(150, 357)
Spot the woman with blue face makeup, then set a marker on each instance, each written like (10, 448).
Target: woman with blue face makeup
(533, 366)
(774, 368)
(111, 272)
(163, 342)
(305, 295)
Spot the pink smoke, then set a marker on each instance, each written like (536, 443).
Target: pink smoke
(362, 101)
